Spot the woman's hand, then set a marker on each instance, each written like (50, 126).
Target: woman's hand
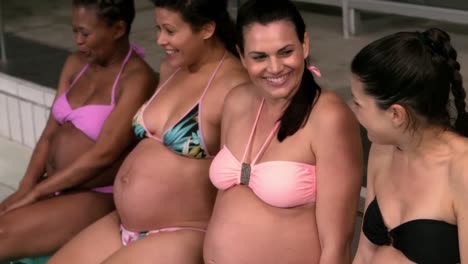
(22, 191)
(22, 199)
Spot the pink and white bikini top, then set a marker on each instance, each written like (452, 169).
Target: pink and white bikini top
(89, 119)
(278, 183)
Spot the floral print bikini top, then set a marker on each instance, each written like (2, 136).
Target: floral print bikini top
(185, 137)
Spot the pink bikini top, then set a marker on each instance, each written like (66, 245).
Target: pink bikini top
(89, 119)
(278, 183)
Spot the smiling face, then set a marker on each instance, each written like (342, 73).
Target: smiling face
(181, 43)
(383, 126)
(94, 37)
(274, 57)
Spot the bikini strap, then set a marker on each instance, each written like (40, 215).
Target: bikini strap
(159, 88)
(78, 77)
(116, 81)
(252, 131)
(200, 104)
(143, 108)
(267, 141)
(138, 50)
(213, 75)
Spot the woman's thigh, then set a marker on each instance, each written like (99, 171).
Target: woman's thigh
(44, 226)
(92, 245)
(178, 247)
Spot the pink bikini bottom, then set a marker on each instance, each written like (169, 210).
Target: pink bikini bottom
(129, 236)
(103, 189)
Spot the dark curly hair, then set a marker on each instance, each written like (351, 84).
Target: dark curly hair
(112, 10)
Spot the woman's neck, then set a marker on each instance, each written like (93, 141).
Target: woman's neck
(118, 54)
(422, 141)
(276, 106)
(215, 52)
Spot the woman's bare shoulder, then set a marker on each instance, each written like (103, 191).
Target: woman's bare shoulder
(138, 77)
(459, 164)
(74, 63)
(238, 98)
(71, 68)
(231, 74)
(379, 154)
(458, 176)
(331, 112)
(165, 70)
(140, 66)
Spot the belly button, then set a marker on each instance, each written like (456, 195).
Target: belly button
(124, 179)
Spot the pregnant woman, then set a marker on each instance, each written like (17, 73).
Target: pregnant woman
(163, 195)
(68, 181)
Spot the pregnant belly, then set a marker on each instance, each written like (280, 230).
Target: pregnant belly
(243, 229)
(67, 145)
(157, 188)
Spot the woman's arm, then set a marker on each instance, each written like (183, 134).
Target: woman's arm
(234, 106)
(338, 151)
(36, 167)
(38, 161)
(460, 189)
(114, 139)
(366, 249)
(230, 77)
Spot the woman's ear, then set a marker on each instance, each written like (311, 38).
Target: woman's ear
(208, 30)
(305, 45)
(398, 115)
(241, 55)
(120, 28)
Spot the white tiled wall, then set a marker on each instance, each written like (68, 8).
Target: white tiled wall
(24, 108)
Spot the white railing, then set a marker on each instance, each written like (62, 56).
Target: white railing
(403, 9)
(350, 9)
(24, 109)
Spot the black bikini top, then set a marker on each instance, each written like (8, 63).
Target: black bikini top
(424, 241)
